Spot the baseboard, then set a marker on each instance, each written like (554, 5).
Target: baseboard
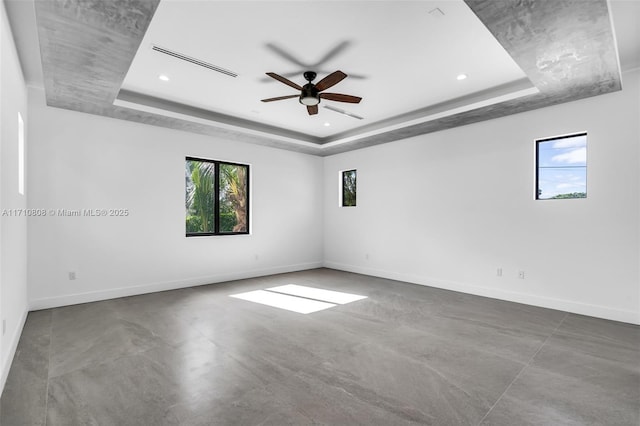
(15, 338)
(95, 296)
(598, 311)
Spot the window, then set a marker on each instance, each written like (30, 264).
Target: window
(561, 167)
(20, 155)
(349, 188)
(216, 197)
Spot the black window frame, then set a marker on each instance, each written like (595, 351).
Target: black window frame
(555, 138)
(216, 195)
(355, 193)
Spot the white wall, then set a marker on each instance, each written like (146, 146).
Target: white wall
(447, 209)
(13, 230)
(81, 161)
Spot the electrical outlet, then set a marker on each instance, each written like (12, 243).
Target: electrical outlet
(499, 272)
(521, 275)
(366, 256)
(72, 275)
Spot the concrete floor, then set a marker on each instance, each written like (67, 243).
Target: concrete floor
(405, 355)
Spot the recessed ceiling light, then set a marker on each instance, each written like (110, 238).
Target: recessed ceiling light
(327, 124)
(461, 76)
(163, 77)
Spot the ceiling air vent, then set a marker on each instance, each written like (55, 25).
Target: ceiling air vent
(341, 111)
(194, 61)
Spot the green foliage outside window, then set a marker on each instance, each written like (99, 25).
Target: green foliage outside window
(349, 188)
(570, 195)
(216, 209)
(233, 198)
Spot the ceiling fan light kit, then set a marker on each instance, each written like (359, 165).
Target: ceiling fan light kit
(310, 93)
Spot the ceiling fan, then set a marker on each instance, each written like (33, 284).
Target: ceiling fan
(310, 94)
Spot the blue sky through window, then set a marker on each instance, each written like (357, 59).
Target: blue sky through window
(562, 166)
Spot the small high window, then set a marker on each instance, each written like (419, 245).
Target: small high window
(21, 155)
(561, 167)
(216, 197)
(349, 188)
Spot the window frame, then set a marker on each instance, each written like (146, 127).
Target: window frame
(537, 166)
(216, 195)
(21, 156)
(342, 188)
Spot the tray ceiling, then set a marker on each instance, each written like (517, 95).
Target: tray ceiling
(403, 59)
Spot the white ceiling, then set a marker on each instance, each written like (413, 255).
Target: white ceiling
(401, 57)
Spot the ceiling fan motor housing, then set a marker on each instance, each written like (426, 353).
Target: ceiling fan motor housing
(309, 95)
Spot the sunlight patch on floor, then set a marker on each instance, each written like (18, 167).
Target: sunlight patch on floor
(298, 298)
(330, 296)
(283, 301)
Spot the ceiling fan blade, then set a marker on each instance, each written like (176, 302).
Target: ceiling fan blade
(312, 109)
(331, 54)
(286, 55)
(358, 76)
(296, 73)
(279, 98)
(330, 80)
(284, 80)
(284, 74)
(341, 98)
